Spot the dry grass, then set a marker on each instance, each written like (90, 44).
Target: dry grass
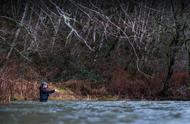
(18, 90)
(137, 87)
(13, 86)
(82, 89)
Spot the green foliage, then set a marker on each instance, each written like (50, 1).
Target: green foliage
(90, 75)
(3, 50)
(3, 47)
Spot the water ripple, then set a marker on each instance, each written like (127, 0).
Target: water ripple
(93, 112)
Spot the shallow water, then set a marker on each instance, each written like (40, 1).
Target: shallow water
(100, 112)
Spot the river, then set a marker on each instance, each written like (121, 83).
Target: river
(96, 112)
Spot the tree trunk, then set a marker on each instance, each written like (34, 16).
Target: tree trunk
(172, 51)
(17, 32)
(165, 90)
(189, 62)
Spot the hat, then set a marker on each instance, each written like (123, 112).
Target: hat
(44, 83)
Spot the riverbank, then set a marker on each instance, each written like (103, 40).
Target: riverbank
(20, 81)
(16, 90)
(19, 90)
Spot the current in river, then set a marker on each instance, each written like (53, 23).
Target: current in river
(96, 112)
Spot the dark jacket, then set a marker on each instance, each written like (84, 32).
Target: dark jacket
(44, 94)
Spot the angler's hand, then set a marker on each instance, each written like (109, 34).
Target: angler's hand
(56, 90)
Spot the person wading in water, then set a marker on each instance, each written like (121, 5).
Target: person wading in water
(45, 92)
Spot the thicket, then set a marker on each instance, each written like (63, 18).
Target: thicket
(90, 39)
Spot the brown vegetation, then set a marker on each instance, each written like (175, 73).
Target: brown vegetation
(132, 49)
(138, 87)
(122, 85)
(18, 90)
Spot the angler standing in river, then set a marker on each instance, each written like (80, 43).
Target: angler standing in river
(45, 92)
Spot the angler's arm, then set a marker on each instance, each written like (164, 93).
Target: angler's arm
(51, 91)
(48, 91)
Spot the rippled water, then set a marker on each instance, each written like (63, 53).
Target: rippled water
(100, 112)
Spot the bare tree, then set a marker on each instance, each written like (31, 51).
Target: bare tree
(17, 32)
(175, 43)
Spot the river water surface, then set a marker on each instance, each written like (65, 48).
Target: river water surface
(99, 112)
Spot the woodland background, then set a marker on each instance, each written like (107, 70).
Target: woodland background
(130, 48)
